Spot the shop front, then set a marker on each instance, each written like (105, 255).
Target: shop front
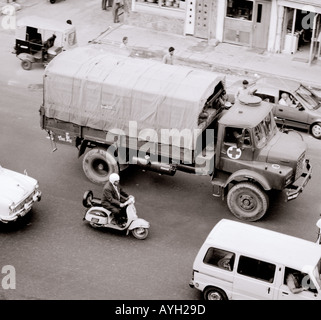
(160, 15)
(247, 22)
(300, 30)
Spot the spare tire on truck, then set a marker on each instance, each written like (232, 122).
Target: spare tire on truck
(98, 164)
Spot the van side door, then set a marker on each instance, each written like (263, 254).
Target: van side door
(254, 279)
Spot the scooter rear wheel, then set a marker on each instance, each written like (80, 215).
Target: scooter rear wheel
(140, 233)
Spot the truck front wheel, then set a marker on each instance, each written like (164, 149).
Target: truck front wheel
(98, 164)
(247, 201)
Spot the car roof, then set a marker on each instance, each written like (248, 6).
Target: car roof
(278, 83)
(264, 244)
(246, 115)
(45, 24)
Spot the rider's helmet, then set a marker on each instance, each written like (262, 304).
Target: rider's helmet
(114, 177)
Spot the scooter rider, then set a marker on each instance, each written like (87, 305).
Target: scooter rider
(113, 198)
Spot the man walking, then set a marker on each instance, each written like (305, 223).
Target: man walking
(168, 58)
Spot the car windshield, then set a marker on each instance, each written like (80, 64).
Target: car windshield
(264, 131)
(309, 97)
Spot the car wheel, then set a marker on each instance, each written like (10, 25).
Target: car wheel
(247, 201)
(316, 130)
(213, 293)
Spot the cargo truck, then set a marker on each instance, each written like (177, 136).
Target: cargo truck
(120, 111)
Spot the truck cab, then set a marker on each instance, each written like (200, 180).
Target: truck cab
(253, 157)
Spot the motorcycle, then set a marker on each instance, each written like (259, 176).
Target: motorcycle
(99, 217)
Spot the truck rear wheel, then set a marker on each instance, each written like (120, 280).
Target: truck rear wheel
(247, 201)
(98, 164)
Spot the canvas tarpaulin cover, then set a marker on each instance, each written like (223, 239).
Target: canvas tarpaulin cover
(93, 88)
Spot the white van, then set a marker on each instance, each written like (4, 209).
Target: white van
(240, 261)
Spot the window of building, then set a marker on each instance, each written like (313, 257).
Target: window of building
(173, 4)
(220, 258)
(240, 9)
(256, 269)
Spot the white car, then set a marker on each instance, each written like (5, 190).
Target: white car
(18, 192)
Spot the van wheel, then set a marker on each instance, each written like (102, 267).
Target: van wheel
(214, 294)
(247, 201)
(26, 64)
(98, 165)
(316, 130)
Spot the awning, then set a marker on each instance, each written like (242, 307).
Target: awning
(311, 6)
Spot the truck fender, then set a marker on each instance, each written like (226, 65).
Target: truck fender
(248, 175)
(26, 56)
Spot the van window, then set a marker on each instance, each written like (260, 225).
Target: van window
(257, 269)
(295, 279)
(220, 258)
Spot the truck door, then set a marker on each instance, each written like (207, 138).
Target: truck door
(237, 146)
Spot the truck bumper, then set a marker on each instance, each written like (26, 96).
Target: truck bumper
(293, 191)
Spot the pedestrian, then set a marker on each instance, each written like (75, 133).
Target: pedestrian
(117, 4)
(123, 45)
(168, 57)
(104, 5)
(244, 90)
(114, 197)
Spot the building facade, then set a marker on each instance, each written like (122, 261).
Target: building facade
(281, 26)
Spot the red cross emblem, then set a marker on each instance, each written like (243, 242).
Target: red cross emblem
(234, 152)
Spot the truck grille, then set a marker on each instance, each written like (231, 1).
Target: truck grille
(300, 166)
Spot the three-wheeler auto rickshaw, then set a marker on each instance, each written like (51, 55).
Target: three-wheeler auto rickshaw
(39, 40)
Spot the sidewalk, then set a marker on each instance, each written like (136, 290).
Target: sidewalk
(93, 23)
(224, 58)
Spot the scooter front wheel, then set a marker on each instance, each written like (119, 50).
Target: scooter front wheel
(140, 233)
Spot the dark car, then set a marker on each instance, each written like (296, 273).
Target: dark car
(304, 110)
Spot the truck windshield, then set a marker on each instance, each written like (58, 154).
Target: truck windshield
(309, 97)
(264, 131)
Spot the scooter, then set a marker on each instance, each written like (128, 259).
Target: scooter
(99, 217)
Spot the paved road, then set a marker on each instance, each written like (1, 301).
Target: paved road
(58, 256)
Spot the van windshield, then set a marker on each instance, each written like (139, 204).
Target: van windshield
(317, 273)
